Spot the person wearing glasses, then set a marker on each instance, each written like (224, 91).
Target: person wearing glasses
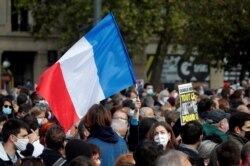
(7, 108)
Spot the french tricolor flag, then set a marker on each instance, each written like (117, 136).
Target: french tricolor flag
(94, 68)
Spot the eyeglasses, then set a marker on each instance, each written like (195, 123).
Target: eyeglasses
(5, 106)
(120, 118)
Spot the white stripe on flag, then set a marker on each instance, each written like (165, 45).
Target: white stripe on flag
(80, 75)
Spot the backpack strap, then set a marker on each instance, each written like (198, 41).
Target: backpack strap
(59, 162)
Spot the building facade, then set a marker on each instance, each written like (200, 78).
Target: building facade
(27, 57)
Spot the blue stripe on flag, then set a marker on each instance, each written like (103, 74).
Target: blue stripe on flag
(113, 64)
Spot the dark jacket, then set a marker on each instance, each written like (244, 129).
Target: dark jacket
(240, 141)
(133, 137)
(195, 158)
(50, 156)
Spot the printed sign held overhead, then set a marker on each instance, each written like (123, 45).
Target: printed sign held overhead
(188, 105)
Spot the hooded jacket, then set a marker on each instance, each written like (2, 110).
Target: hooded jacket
(110, 144)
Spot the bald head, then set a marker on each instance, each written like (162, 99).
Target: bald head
(243, 108)
(146, 112)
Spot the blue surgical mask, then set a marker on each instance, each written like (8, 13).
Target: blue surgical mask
(131, 112)
(134, 100)
(7, 111)
(150, 91)
(165, 99)
(49, 115)
(40, 121)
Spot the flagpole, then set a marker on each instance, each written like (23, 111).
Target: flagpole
(97, 11)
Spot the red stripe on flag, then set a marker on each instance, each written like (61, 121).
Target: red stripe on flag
(52, 87)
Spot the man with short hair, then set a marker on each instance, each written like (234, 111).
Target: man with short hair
(149, 89)
(146, 153)
(228, 154)
(239, 128)
(53, 154)
(146, 112)
(243, 108)
(15, 137)
(173, 157)
(191, 135)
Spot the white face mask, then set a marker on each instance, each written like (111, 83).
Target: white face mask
(39, 121)
(165, 99)
(175, 95)
(161, 139)
(21, 143)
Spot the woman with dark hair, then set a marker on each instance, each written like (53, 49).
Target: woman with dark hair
(7, 108)
(98, 121)
(162, 134)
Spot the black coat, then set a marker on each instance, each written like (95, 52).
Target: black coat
(50, 156)
(194, 157)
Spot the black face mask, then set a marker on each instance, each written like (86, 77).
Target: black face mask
(247, 135)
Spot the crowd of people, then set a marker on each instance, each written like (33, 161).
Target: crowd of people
(136, 127)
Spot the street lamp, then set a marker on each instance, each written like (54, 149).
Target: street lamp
(6, 63)
(6, 76)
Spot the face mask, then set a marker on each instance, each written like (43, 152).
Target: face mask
(201, 92)
(247, 135)
(97, 162)
(161, 139)
(175, 94)
(134, 100)
(165, 99)
(131, 112)
(21, 144)
(7, 110)
(40, 121)
(68, 135)
(49, 115)
(150, 91)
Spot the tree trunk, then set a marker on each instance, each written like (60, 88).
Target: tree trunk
(161, 52)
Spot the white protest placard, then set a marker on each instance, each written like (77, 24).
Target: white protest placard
(188, 105)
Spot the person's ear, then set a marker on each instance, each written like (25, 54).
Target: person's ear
(221, 125)
(12, 138)
(237, 130)
(86, 133)
(201, 137)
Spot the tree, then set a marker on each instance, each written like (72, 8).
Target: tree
(138, 21)
(217, 32)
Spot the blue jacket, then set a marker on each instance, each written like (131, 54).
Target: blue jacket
(110, 144)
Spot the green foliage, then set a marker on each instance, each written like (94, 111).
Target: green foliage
(210, 30)
(138, 20)
(70, 19)
(216, 30)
